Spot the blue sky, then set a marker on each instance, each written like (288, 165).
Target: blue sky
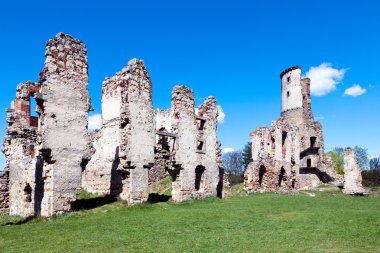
(233, 50)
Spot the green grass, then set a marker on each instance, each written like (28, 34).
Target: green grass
(328, 222)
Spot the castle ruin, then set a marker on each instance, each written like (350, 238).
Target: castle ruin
(51, 157)
(289, 155)
(137, 146)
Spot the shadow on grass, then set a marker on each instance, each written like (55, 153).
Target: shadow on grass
(156, 198)
(15, 221)
(85, 204)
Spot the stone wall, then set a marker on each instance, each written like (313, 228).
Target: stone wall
(63, 137)
(100, 175)
(20, 149)
(352, 174)
(275, 160)
(4, 192)
(51, 157)
(196, 169)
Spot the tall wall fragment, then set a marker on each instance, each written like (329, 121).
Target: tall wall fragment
(125, 144)
(137, 133)
(195, 166)
(352, 174)
(20, 149)
(63, 138)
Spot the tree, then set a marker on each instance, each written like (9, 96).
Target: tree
(361, 157)
(233, 166)
(374, 163)
(247, 154)
(337, 160)
(371, 177)
(232, 162)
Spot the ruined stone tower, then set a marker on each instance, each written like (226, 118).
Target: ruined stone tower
(292, 148)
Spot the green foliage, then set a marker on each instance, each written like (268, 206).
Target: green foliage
(337, 162)
(247, 154)
(253, 223)
(362, 157)
(338, 153)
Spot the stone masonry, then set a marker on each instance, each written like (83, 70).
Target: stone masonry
(137, 146)
(45, 154)
(275, 159)
(62, 135)
(124, 145)
(292, 149)
(193, 162)
(352, 175)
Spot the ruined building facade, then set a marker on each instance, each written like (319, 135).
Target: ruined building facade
(137, 146)
(44, 154)
(289, 155)
(51, 157)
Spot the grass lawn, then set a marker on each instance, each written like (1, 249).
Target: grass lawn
(328, 222)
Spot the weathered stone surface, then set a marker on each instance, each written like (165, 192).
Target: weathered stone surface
(275, 159)
(125, 144)
(195, 168)
(45, 154)
(4, 192)
(294, 142)
(184, 145)
(52, 156)
(62, 135)
(352, 175)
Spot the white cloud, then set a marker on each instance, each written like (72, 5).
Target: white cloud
(94, 122)
(228, 150)
(222, 115)
(355, 90)
(324, 78)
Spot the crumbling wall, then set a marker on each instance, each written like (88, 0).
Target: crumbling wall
(101, 175)
(19, 147)
(184, 125)
(208, 153)
(164, 148)
(352, 174)
(275, 160)
(63, 137)
(195, 168)
(137, 132)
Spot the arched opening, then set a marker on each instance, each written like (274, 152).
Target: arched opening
(262, 172)
(281, 177)
(199, 177)
(28, 193)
